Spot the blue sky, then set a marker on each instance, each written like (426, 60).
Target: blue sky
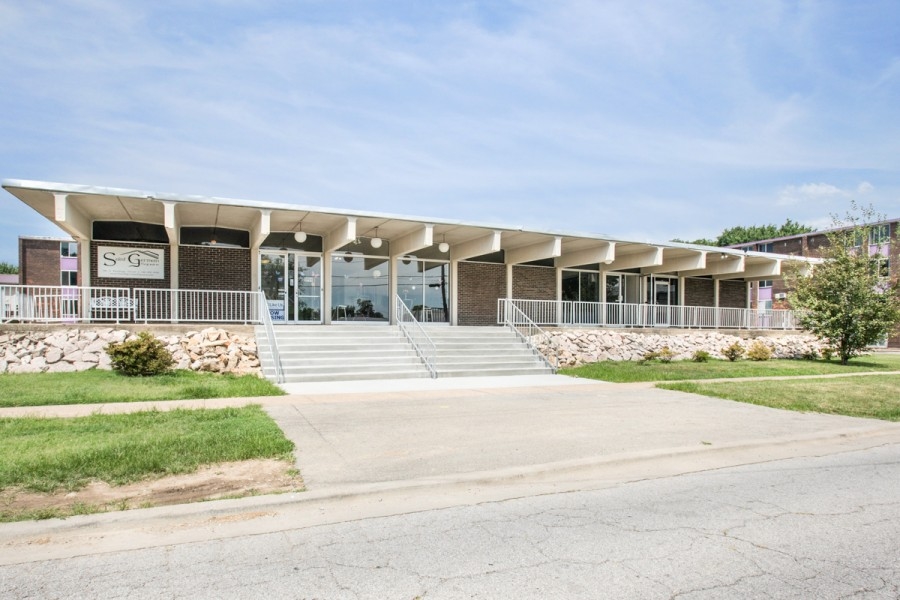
(645, 120)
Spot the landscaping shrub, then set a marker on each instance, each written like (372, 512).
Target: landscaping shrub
(665, 355)
(700, 356)
(759, 351)
(733, 352)
(827, 353)
(810, 354)
(662, 355)
(648, 357)
(140, 357)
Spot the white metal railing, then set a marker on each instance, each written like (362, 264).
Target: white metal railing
(197, 306)
(417, 336)
(613, 314)
(266, 319)
(528, 331)
(66, 304)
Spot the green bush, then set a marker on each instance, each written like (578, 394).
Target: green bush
(759, 351)
(733, 352)
(700, 356)
(811, 354)
(662, 355)
(648, 357)
(140, 357)
(827, 353)
(666, 355)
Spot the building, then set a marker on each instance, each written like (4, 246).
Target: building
(48, 261)
(772, 293)
(148, 256)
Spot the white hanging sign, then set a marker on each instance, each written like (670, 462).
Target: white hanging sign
(131, 263)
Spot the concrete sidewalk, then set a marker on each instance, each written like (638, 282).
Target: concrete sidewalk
(348, 441)
(377, 453)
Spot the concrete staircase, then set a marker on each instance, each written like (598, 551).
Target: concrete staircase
(483, 351)
(359, 352)
(340, 353)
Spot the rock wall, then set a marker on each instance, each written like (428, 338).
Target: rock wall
(575, 347)
(62, 350)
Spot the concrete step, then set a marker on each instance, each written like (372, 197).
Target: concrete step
(290, 378)
(493, 372)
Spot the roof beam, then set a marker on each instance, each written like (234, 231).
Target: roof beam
(415, 240)
(766, 270)
(69, 218)
(341, 235)
(732, 265)
(682, 263)
(647, 258)
(261, 228)
(546, 249)
(485, 244)
(601, 254)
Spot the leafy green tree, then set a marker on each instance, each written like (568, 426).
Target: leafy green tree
(846, 301)
(741, 234)
(8, 268)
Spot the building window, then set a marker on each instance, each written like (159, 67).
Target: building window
(68, 249)
(765, 283)
(879, 234)
(881, 265)
(68, 278)
(770, 247)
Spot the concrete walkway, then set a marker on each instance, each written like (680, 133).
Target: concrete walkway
(368, 453)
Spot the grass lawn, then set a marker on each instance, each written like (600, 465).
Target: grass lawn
(625, 372)
(47, 455)
(874, 396)
(96, 386)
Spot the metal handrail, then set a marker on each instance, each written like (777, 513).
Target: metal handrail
(427, 351)
(266, 320)
(559, 313)
(515, 319)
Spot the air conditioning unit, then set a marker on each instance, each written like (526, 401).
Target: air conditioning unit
(780, 296)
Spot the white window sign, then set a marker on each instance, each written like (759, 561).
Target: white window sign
(131, 263)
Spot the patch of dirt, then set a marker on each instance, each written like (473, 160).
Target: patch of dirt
(226, 480)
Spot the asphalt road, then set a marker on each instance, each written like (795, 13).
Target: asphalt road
(815, 527)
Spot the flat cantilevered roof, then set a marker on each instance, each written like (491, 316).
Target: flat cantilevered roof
(74, 208)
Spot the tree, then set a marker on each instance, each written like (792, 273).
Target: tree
(741, 234)
(847, 301)
(8, 268)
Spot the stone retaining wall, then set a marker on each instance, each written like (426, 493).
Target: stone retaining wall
(575, 347)
(63, 350)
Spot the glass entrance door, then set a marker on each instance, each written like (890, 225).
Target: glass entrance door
(292, 284)
(424, 286)
(662, 293)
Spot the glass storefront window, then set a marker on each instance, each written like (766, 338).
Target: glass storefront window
(360, 288)
(424, 286)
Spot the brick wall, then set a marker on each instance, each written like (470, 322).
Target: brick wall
(699, 292)
(534, 283)
(480, 285)
(211, 268)
(38, 262)
(791, 246)
(732, 294)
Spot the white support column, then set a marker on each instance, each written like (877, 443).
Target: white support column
(392, 288)
(747, 298)
(681, 284)
(326, 287)
(173, 281)
(559, 303)
(454, 292)
(603, 308)
(716, 300)
(84, 275)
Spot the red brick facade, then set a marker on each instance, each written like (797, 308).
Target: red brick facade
(212, 268)
(39, 261)
(533, 283)
(699, 292)
(480, 285)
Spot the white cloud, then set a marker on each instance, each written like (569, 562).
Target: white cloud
(865, 187)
